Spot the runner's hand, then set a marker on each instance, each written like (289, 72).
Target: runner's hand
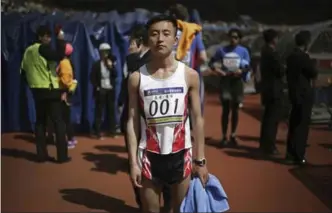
(202, 173)
(64, 97)
(238, 72)
(109, 63)
(220, 72)
(136, 176)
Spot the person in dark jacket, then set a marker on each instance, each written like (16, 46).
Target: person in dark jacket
(272, 73)
(39, 70)
(103, 78)
(300, 73)
(139, 55)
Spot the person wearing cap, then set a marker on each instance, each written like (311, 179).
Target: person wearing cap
(69, 84)
(39, 70)
(102, 77)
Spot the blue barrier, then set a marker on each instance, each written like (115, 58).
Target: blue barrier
(85, 31)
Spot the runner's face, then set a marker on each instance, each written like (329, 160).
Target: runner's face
(234, 38)
(162, 38)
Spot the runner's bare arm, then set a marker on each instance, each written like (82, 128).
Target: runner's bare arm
(198, 121)
(133, 117)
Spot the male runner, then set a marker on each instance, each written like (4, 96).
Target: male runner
(158, 107)
(139, 55)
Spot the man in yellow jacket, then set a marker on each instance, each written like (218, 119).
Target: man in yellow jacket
(39, 67)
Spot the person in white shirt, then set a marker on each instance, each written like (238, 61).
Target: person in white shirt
(103, 78)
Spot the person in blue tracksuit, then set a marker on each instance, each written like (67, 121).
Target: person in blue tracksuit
(234, 63)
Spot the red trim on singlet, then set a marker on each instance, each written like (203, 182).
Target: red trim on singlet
(187, 166)
(152, 143)
(180, 130)
(152, 139)
(146, 166)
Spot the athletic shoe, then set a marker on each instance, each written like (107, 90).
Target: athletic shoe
(74, 141)
(70, 145)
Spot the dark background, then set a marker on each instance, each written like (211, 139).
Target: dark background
(265, 11)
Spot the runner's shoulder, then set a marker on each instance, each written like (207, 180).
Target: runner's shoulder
(241, 47)
(191, 74)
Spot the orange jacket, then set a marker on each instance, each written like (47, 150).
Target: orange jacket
(65, 73)
(66, 77)
(189, 31)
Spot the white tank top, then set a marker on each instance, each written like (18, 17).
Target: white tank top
(164, 119)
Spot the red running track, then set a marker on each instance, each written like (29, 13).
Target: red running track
(96, 179)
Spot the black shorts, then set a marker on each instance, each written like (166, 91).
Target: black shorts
(231, 89)
(166, 169)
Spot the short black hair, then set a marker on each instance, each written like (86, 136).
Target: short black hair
(269, 35)
(235, 30)
(302, 38)
(139, 34)
(179, 12)
(160, 18)
(43, 30)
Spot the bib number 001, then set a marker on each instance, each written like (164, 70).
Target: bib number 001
(163, 107)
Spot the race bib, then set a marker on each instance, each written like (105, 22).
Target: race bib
(231, 62)
(164, 106)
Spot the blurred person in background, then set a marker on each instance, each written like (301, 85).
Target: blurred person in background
(69, 84)
(190, 48)
(39, 67)
(272, 73)
(138, 55)
(102, 77)
(235, 61)
(300, 72)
